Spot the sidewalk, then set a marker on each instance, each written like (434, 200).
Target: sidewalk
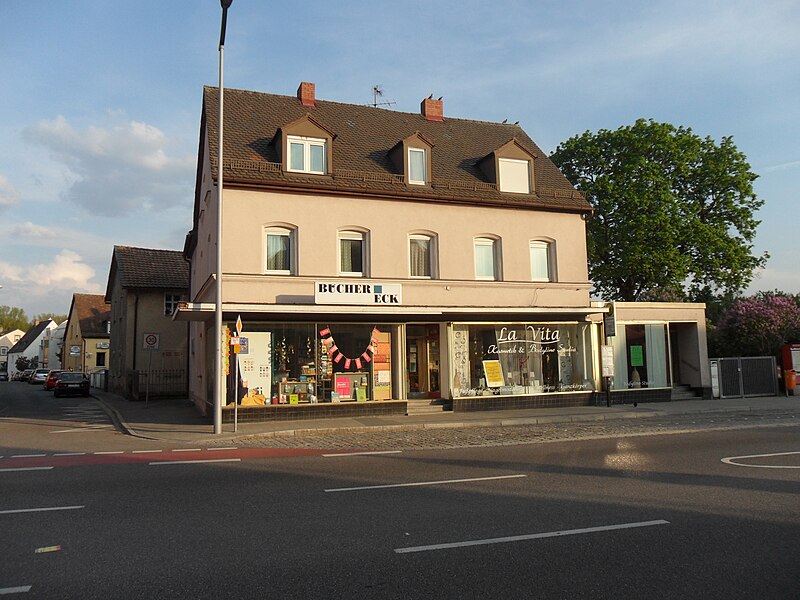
(178, 421)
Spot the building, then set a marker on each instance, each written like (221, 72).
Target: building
(53, 345)
(87, 334)
(379, 260)
(148, 348)
(7, 340)
(28, 346)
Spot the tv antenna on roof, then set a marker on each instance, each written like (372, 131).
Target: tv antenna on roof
(377, 92)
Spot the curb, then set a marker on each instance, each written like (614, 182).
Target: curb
(119, 422)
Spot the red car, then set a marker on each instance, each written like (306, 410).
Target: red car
(70, 383)
(52, 377)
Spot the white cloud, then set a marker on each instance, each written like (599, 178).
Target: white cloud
(29, 230)
(118, 169)
(8, 195)
(783, 166)
(66, 272)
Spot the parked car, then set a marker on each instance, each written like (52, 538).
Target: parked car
(26, 374)
(38, 376)
(52, 377)
(3, 376)
(71, 383)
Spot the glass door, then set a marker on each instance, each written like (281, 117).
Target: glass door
(422, 361)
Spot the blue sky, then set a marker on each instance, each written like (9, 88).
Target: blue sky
(100, 101)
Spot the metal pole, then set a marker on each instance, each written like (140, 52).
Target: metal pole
(218, 389)
(236, 395)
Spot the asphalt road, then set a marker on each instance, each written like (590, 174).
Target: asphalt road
(616, 517)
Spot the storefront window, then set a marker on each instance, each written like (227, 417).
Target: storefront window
(309, 363)
(640, 356)
(521, 359)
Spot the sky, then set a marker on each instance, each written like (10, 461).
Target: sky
(100, 101)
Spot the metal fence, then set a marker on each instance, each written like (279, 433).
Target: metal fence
(744, 376)
(159, 383)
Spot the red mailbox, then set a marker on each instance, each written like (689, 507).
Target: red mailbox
(790, 362)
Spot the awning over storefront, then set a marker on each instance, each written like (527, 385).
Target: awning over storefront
(204, 311)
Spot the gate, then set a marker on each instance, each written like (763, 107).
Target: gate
(746, 376)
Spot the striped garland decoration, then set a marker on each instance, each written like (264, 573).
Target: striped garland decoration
(337, 356)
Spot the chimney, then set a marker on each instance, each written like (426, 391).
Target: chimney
(306, 94)
(432, 109)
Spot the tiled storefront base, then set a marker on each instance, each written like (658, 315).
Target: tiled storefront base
(478, 403)
(640, 395)
(325, 410)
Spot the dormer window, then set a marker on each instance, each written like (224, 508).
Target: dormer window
(306, 155)
(417, 166)
(515, 175)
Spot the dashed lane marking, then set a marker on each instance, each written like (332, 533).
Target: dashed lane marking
(8, 470)
(46, 509)
(26, 455)
(20, 589)
(372, 453)
(532, 536)
(421, 483)
(732, 460)
(192, 462)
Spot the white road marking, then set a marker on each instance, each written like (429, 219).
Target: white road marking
(418, 483)
(70, 454)
(20, 589)
(731, 460)
(26, 455)
(25, 469)
(532, 536)
(186, 449)
(337, 454)
(110, 452)
(29, 510)
(193, 462)
(145, 451)
(88, 428)
(228, 448)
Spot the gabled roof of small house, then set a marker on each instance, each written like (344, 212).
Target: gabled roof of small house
(92, 313)
(30, 337)
(363, 137)
(147, 268)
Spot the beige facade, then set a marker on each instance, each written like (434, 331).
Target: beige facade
(499, 316)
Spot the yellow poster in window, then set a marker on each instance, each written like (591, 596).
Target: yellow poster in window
(493, 373)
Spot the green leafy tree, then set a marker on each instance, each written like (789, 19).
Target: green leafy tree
(12, 317)
(23, 362)
(44, 316)
(673, 212)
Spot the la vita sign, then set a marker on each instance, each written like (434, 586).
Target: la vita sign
(356, 292)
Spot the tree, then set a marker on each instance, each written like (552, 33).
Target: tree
(672, 210)
(44, 316)
(12, 317)
(757, 326)
(23, 362)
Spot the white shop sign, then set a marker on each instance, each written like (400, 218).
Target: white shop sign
(355, 292)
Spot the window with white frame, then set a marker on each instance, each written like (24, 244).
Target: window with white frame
(515, 175)
(306, 155)
(417, 166)
(541, 260)
(421, 255)
(486, 259)
(279, 251)
(171, 302)
(352, 253)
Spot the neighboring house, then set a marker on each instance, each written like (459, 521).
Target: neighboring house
(87, 333)
(53, 345)
(148, 348)
(377, 256)
(29, 345)
(7, 340)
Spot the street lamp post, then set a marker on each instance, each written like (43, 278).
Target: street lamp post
(219, 387)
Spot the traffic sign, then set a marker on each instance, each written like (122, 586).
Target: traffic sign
(151, 341)
(239, 325)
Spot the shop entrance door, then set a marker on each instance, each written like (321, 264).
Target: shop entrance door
(422, 361)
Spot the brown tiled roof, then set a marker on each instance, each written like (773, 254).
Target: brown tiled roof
(364, 135)
(148, 268)
(92, 312)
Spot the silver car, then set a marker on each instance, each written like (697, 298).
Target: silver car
(39, 376)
